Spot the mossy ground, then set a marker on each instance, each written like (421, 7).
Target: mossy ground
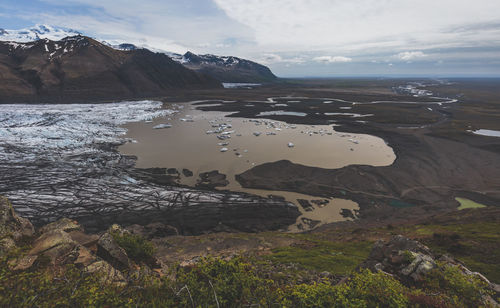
(468, 204)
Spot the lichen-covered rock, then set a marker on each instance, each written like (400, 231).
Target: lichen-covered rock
(85, 257)
(56, 245)
(419, 266)
(407, 259)
(108, 272)
(63, 224)
(12, 225)
(6, 244)
(51, 240)
(22, 263)
(110, 251)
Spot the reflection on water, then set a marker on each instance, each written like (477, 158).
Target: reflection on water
(195, 139)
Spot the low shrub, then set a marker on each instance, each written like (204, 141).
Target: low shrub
(137, 247)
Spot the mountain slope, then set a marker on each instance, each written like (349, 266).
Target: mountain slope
(79, 68)
(226, 68)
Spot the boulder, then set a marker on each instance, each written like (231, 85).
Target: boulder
(110, 251)
(22, 263)
(85, 257)
(56, 245)
(63, 224)
(86, 240)
(51, 240)
(407, 259)
(108, 272)
(11, 225)
(6, 244)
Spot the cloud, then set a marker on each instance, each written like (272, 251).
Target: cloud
(339, 26)
(160, 24)
(271, 58)
(332, 59)
(302, 35)
(410, 55)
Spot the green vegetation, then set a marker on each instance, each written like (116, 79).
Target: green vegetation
(136, 247)
(461, 290)
(336, 258)
(468, 204)
(364, 289)
(477, 245)
(234, 283)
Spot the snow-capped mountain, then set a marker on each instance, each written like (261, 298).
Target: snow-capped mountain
(36, 33)
(81, 69)
(222, 68)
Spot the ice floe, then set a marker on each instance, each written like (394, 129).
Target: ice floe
(487, 132)
(160, 126)
(281, 112)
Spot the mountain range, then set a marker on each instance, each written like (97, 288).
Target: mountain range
(80, 69)
(226, 68)
(27, 77)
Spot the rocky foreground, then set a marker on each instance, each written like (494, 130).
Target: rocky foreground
(419, 276)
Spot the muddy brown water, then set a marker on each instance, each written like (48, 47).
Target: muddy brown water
(190, 144)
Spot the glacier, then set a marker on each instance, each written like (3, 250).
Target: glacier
(62, 161)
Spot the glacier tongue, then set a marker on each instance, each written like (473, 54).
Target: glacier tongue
(71, 126)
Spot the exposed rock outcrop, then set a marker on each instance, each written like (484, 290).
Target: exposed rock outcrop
(65, 242)
(110, 251)
(410, 261)
(403, 257)
(12, 227)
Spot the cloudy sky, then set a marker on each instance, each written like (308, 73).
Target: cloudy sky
(296, 38)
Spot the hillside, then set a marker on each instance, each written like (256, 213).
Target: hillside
(59, 264)
(80, 69)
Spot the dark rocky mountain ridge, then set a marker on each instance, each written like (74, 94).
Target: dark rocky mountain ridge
(226, 68)
(80, 69)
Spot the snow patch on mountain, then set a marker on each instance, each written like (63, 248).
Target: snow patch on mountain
(36, 33)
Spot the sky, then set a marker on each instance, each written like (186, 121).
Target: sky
(295, 38)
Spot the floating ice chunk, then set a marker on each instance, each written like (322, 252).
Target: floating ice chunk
(354, 141)
(160, 126)
(290, 145)
(223, 149)
(487, 132)
(186, 120)
(282, 112)
(223, 144)
(271, 134)
(256, 134)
